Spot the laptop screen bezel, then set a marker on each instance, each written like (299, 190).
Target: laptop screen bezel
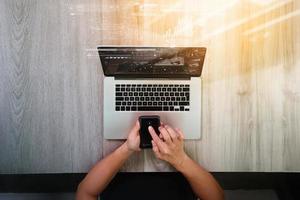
(150, 75)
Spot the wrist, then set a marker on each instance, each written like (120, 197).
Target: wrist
(124, 149)
(180, 163)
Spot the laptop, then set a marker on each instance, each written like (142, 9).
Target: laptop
(164, 81)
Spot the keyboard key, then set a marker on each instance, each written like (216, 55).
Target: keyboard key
(117, 108)
(118, 93)
(127, 108)
(118, 103)
(122, 89)
(117, 85)
(171, 108)
(126, 98)
(144, 103)
(181, 108)
(133, 108)
(122, 108)
(123, 103)
(186, 89)
(118, 89)
(146, 108)
(166, 108)
(119, 98)
(183, 103)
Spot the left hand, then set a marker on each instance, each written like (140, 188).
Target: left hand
(133, 139)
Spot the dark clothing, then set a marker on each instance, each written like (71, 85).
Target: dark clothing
(148, 186)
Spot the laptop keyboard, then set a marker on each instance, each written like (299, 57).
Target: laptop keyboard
(152, 97)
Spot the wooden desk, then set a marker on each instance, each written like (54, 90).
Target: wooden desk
(51, 81)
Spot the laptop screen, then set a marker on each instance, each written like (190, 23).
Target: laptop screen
(152, 61)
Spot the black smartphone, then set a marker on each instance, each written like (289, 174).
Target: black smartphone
(145, 122)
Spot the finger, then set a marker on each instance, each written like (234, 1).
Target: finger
(154, 136)
(180, 133)
(172, 133)
(154, 146)
(160, 136)
(156, 150)
(165, 134)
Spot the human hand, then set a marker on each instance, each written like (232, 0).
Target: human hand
(133, 139)
(169, 146)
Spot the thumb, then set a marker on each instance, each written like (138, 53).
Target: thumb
(136, 127)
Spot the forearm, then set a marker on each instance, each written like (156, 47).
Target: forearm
(202, 182)
(102, 173)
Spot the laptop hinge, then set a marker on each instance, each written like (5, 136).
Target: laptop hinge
(151, 78)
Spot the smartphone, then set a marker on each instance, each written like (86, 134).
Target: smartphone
(145, 122)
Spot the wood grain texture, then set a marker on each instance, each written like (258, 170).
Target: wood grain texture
(51, 80)
(51, 94)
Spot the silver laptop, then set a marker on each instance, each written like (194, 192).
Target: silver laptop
(164, 81)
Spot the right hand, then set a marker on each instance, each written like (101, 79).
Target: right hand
(169, 146)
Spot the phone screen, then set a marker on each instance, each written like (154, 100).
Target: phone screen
(145, 122)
